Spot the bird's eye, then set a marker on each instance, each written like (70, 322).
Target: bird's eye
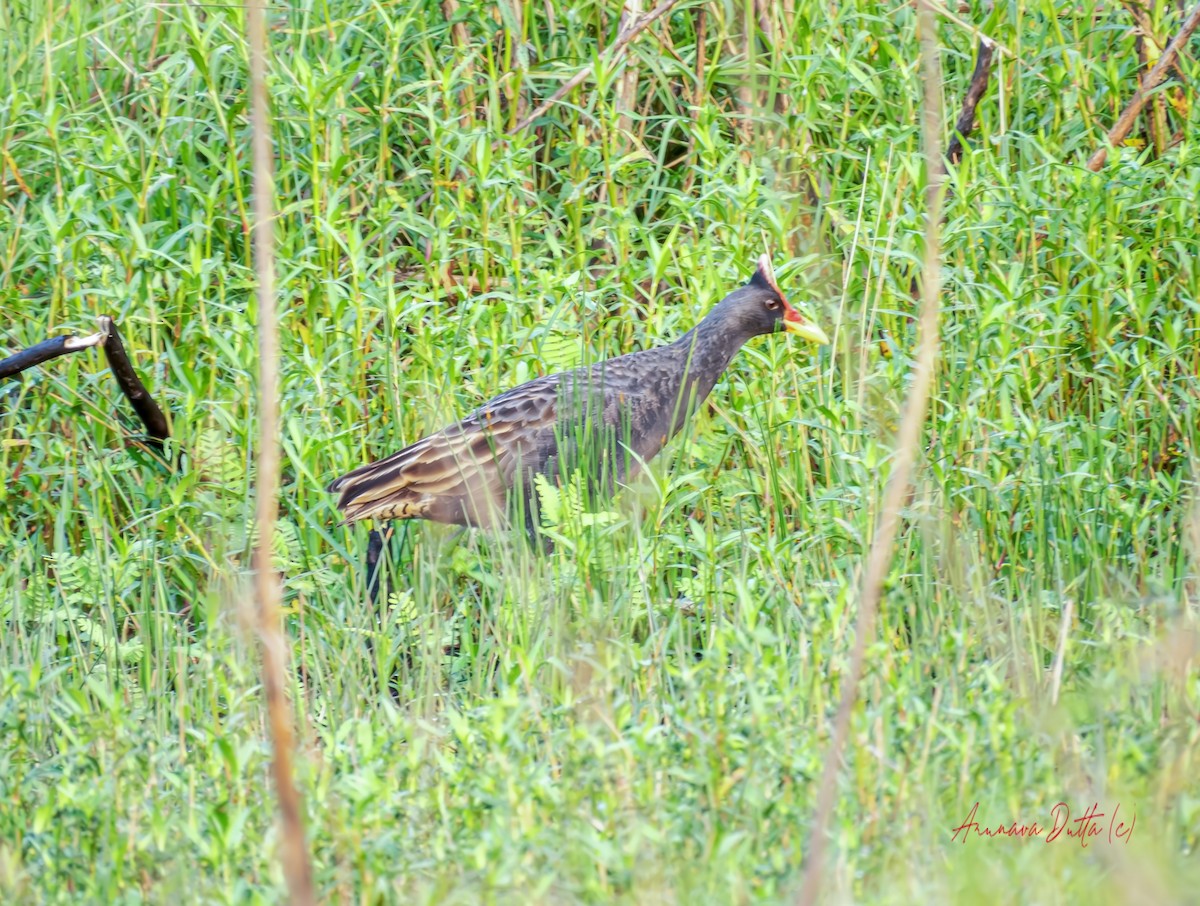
(772, 305)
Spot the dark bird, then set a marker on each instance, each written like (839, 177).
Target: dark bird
(604, 421)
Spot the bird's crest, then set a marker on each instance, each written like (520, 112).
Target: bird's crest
(764, 275)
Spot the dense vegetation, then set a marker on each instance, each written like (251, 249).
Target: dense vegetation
(641, 715)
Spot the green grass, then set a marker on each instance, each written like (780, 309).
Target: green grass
(642, 715)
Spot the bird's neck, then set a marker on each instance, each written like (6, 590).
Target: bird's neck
(708, 348)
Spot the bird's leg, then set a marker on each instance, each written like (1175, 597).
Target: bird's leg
(375, 547)
(538, 540)
(379, 586)
(528, 512)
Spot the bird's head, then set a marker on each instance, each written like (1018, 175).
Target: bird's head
(765, 306)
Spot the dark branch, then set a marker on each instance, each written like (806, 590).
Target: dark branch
(965, 124)
(975, 92)
(47, 350)
(118, 361)
(131, 385)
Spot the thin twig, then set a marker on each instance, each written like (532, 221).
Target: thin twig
(880, 555)
(517, 60)
(462, 43)
(610, 54)
(697, 94)
(744, 121)
(610, 57)
(297, 868)
(1153, 79)
(975, 92)
(941, 10)
(1146, 27)
(1156, 119)
(627, 84)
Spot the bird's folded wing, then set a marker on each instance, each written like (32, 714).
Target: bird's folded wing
(466, 468)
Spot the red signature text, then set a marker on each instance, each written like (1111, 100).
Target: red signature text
(1091, 824)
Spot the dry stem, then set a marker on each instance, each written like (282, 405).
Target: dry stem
(297, 868)
(880, 555)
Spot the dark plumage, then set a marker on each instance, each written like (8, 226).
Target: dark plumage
(606, 421)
